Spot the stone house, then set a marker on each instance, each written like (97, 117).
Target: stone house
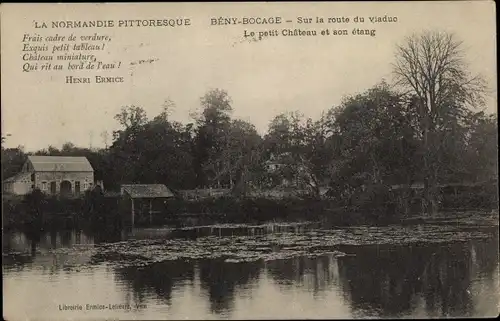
(55, 175)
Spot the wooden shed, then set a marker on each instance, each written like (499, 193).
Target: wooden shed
(145, 198)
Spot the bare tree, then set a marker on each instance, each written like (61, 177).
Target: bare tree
(432, 68)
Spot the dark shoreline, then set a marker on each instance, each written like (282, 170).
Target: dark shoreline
(106, 212)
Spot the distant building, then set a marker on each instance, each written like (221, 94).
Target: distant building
(55, 175)
(145, 198)
(287, 172)
(145, 191)
(277, 162)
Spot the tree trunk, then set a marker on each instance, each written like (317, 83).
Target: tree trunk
(430, 179)
(433, 206)
(406, 205)
(430, 191)
(430, 172)
(315, 186)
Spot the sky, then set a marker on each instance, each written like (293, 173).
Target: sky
(263, 78)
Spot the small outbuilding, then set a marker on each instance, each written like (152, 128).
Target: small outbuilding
(145, 198)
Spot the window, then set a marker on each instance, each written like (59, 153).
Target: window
(44, 186)
(77, 187)
(53, 187)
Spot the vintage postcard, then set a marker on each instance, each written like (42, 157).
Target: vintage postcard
(264, 160)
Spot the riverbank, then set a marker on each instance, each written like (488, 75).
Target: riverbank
(109, 211)
(476, 218)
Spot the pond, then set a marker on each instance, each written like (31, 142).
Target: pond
(303, 270)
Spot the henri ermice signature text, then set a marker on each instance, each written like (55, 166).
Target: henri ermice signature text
(95, 79)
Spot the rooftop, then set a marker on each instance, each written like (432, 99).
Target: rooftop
(16, 177)
(147, 191)
(60, 164)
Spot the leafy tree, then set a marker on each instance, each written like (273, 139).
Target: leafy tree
(68, 147)
(213, 123)
(131, 117)
(12, 161)
(157, 151)
(241, 159)
(49, 151)
(481, 150)
(125, 150)
(166, 154)
(373, 141)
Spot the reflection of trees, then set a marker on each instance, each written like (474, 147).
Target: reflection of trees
(378, 279)
(316, 274)
(19, 242)
(44, 241)
(157, 278)
(287, 272)
(67, 238)
(392, 279)
(220, 279)
(53, 239)
(484, 255)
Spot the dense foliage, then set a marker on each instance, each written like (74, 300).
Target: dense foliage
(384, 136)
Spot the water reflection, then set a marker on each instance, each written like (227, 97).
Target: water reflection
(316, 275)
(394, 282)
(158, 279)
(221, 280)
(44, 241)
(421, 280)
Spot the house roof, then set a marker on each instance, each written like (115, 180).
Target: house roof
(147, 191)
(16, 177)
(60, 164)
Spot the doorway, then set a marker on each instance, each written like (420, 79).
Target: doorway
(65, 188)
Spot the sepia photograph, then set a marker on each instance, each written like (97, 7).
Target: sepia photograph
(252, 160)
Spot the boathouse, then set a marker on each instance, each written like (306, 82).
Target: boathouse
(145, 200)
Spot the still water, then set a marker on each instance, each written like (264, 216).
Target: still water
(241, 272)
